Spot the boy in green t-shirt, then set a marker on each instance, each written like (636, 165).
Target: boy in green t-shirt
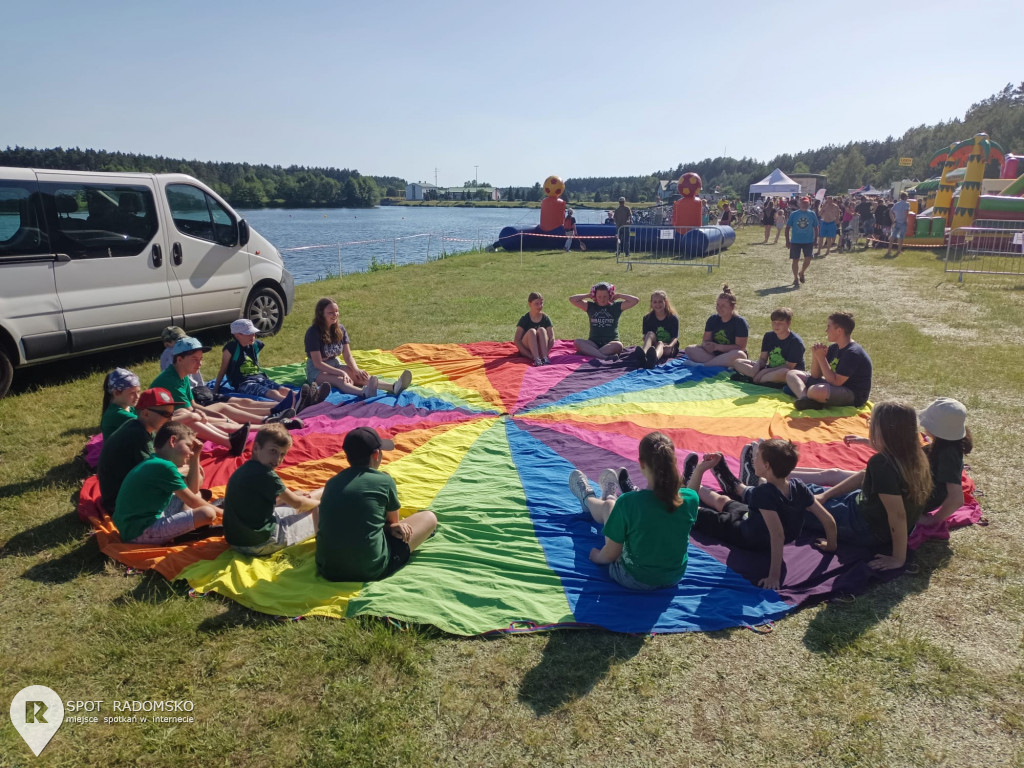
(261, 515)
(156, 504)
(361, 536)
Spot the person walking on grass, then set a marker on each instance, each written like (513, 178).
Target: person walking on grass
(801, 234)
(898, 216)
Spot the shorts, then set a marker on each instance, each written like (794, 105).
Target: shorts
(176, 520)
(290, 527)
(837, 396)
(398, 555)
(256, 385)
(795, 249)
(867, 227)
(828, 229)
(624, 578)
(312, 371)
(852, 527)
(899, 230)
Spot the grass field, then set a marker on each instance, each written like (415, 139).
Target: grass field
(925, 670)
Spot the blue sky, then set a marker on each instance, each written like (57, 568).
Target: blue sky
(521, 90)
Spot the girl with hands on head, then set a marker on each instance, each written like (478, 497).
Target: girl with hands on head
(603, 307)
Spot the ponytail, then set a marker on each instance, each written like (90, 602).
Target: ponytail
(658, 453)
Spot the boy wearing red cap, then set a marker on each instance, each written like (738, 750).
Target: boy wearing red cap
(132, 442)
(361, 535)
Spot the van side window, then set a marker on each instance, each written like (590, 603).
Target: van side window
(91, 221)
(21, 220)
(197, 214)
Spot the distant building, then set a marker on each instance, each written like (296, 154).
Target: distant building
(666, 191)
(810, 182)
(416, 191)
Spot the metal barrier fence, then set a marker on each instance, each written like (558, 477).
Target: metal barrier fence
(381, 253)
(985, 251)
(671, 246)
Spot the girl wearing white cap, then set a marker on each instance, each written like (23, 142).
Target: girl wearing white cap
(945, 423)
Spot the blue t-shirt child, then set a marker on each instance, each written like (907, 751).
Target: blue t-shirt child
(801, 226)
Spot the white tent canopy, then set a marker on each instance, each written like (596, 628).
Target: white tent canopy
(775, 183)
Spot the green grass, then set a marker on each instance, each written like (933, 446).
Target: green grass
(925, 670)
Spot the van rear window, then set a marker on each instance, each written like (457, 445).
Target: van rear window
(21, 222)
(100, 220)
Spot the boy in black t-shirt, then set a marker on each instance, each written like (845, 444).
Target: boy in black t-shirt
(781, 352)
(763, 516)
(840, 372)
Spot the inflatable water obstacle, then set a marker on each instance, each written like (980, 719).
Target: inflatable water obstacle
(683, 238)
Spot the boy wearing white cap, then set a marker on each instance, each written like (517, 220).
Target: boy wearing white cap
(240, 364)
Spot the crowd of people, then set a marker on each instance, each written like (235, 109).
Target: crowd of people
(152, 483)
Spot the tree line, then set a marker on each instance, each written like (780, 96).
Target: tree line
(242, 184)
(847, 166)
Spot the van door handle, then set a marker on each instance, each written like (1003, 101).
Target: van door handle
(176, 254)
(158, 256)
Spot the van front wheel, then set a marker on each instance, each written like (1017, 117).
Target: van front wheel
(265, 309)
(6, 372)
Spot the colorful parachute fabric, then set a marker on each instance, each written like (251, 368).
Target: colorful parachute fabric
(488, 441)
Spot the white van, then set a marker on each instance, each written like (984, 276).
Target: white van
(92, 261)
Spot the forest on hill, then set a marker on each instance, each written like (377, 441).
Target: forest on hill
(847, 166)
(241, 184)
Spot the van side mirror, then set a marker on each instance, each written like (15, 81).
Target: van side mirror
(243, 232)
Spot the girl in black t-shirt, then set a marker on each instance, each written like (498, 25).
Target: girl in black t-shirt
(535, 335)
(661, 332)
(725, 334)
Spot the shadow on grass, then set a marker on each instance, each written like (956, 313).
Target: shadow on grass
(49, 535)
(840, 624)
(234, 616)
(85, 560)
(572, 664)
(787, 288)
(76, 368)
(72, 472)
(151, 588)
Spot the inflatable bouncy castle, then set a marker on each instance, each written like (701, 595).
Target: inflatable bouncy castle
(690, 240)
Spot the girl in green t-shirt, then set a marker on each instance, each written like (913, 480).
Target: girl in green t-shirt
(646, 532)
(120, 394)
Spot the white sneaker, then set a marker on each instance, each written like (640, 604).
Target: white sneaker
(403, 382)
(608, 482)
(370, 390)
(580, 487)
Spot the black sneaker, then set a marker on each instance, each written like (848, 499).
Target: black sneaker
(305, 395)
(625, 484)
(237, 440)
(726, 479)
(747, 474)
(651, 359)
(690, 464)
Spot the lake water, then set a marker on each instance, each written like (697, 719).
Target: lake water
(310, 239)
